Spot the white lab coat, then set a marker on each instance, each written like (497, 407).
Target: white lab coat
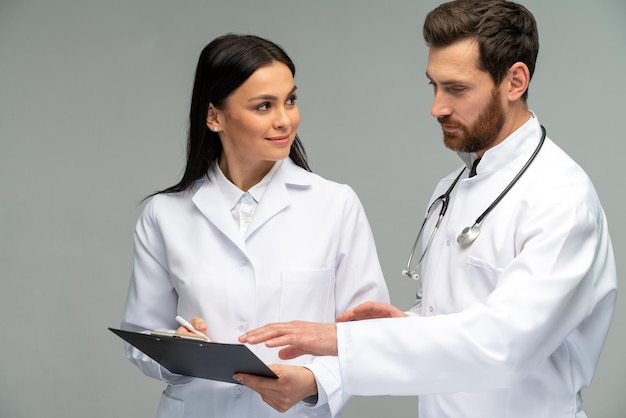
(513, 325)
(307, 254)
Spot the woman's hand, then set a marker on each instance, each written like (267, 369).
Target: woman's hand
(198, 323)
(294, 384)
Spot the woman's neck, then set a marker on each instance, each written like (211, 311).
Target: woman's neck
(245, 176)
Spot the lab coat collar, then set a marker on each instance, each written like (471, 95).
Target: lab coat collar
(213, 204)
(516, 147)
(233, 193)
(468, 158)
(211, 201)
(294, 175)
(276, 196)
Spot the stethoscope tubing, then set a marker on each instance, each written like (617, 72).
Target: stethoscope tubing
(444, 207)
(515, 179)
(469, 234)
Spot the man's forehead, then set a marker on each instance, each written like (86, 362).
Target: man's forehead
(456, 62)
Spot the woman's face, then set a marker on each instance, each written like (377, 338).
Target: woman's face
(259, 120)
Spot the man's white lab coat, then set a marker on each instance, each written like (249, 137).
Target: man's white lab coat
(511, 326)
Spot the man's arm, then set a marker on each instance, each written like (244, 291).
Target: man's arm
(301, 337)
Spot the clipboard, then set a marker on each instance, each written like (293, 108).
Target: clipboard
(195, 357)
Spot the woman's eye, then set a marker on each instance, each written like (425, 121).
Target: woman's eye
(292, 100)
(263, 106)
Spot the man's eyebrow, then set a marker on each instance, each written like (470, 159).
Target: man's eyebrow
(445, 82)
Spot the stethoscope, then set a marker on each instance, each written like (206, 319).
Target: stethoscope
(469, 234)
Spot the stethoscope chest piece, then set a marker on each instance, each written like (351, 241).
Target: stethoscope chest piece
(468, 235)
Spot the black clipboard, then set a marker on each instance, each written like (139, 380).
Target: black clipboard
(195, 357)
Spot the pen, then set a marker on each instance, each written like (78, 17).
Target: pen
(191, 328)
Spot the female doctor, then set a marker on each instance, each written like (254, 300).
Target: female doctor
(249, 236)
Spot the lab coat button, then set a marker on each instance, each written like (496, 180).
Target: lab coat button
(242, 263)
(430, 308)
(238, 391)
(243, 327)
(447, 243)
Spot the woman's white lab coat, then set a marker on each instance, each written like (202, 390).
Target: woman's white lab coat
(511, 326)
(307, 254)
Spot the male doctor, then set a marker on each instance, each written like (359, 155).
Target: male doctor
(515, 311)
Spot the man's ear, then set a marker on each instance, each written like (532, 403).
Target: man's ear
(519, 79)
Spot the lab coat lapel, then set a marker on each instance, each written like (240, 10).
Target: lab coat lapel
(274, 200)
(276, 196)
(211, 202)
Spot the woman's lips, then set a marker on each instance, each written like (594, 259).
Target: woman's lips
(283, 139)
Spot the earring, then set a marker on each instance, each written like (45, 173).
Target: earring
(215, 129)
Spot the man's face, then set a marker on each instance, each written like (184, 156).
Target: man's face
(467, 103)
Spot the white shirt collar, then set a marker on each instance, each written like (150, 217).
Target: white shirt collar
(233, 193)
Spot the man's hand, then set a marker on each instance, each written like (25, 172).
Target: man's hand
(371, 310)
(300, 337)
(294, 383)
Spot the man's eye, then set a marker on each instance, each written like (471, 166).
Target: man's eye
(456, 89)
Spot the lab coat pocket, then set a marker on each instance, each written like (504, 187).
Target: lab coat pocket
(482, 279)
(307, 295)
(170, 407)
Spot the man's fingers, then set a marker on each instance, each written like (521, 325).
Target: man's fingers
(309, 337)
(291, 352)
(258, 335)
(346, 316)
(363, 311)
(370, 310)
(273, 331)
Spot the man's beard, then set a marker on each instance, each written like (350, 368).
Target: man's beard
(482, 134)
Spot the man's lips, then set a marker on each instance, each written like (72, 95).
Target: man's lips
(449, 128)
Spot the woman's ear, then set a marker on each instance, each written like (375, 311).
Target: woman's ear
(212, 120)
(519, 79)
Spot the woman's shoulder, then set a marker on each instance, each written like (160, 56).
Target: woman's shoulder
(333, 186)
(316, 183)
(171, 201)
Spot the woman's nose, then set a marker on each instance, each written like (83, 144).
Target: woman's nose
(283, 119)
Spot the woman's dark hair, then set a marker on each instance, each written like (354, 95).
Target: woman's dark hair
(506, 33)
(224, 65)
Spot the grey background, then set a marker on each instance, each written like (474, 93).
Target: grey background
(93, 103)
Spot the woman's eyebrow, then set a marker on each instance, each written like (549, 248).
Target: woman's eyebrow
(271, 97)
